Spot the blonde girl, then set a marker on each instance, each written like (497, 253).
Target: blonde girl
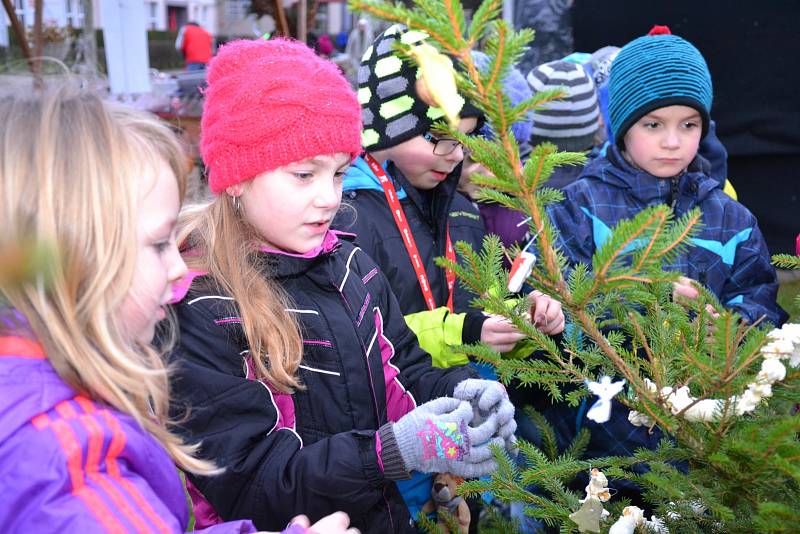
(84, 440)
(300, 375)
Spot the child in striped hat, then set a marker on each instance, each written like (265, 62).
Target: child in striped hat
(572, 122)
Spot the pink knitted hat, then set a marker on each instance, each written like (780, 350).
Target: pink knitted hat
(271, 103)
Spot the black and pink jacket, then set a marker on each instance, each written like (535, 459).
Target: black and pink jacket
(315, 451)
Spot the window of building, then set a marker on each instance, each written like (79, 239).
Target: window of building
(75, 13)
(152, 15)
(237, 9)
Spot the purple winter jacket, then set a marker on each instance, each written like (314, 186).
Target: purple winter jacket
(69, 464)
(507, 223)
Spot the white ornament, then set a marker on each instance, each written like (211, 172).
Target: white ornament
(784, 344)
(639, 419)
(703, 410)
(655, 526)
(632, 517)
(772, 370)
(598, 485)
(600, 411)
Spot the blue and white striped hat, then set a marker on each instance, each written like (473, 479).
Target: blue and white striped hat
(571, 122)
(656, 71)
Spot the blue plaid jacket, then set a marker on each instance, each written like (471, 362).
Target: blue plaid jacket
(729, 254)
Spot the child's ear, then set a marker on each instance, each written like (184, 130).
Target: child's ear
(235, 190)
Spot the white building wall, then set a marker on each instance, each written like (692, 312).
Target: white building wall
(70, 12)
(335, 22)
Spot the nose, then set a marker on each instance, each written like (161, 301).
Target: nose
(328, 193)
(671, 139)
(456, 155)
(176, 268)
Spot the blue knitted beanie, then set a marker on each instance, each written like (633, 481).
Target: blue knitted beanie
(657, 71)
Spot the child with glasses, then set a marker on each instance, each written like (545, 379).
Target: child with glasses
(408, 210)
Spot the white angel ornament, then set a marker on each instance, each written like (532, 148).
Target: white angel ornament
(600, 411)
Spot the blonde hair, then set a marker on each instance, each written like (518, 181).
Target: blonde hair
(71, 176)
(220, 241)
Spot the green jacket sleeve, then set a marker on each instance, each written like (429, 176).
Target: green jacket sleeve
(437, 331)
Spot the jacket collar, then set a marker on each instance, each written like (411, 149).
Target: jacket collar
(440, 198)
(360, 176)
(286, 264)
(615, 170)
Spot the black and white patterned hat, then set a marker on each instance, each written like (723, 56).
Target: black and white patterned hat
(391, 110)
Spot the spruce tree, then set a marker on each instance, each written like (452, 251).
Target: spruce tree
(723, 392)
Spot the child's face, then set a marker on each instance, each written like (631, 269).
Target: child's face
(292, 207)
(664, 141)
(421, 167)
(158, 262)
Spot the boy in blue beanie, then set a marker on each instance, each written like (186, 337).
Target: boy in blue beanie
(660, 96)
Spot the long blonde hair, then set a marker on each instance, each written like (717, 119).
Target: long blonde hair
(71, 174)
(221, 242)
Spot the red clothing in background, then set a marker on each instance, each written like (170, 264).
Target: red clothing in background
(196, 44)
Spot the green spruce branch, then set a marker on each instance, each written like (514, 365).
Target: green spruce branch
(730, 474)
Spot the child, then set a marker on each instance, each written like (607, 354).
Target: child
(572, 122)
(509, 225)
(659, 103)
(422, 169)
(302, 378)
(84, 445)
(711, 148)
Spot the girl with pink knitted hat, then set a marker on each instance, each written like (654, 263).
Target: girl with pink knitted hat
(300, 375)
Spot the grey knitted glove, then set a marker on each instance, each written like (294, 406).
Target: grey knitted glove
(436, 438)
(487, 398)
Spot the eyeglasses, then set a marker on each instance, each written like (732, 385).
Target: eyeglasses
(441, 147)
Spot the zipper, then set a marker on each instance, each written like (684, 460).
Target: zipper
(673, 193)
(366, 355)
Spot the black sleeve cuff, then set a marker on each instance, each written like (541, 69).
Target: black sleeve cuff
(394, 468)
(365, 441)
(473, 323)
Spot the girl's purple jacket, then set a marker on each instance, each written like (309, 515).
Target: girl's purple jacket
(69, 464)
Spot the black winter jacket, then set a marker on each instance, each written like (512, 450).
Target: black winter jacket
(313, 452)
(377, 233)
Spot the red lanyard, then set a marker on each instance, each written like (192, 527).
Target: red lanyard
(408, 239)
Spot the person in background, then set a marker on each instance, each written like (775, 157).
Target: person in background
(507, 224)
(359, 39)
(196, 45)
(324, 45)
(572, 122)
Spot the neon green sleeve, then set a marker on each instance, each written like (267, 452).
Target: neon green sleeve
(437, 330)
